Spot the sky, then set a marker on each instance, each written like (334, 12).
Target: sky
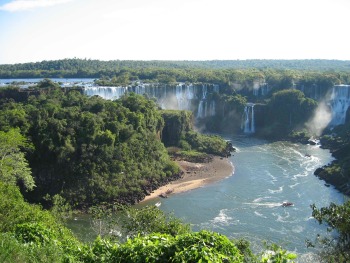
(36, 30)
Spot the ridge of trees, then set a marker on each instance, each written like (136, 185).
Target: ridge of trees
(219, 72)
(75, 63)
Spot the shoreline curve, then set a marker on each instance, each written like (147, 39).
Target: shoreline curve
(195, 175)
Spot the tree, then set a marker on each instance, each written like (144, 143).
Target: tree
(288, 110)
(13, 164)
(337, 217)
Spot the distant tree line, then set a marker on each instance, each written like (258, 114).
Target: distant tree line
(227, 73)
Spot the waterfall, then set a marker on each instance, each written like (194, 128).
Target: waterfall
(252, 127)
(248, 119)
(204, 91)
(194, 97)
(212, 108)
(207, 107)
(184, 96)
(339, 103)
(109, 93)
(265, 89)
(216, 88)
(201, 110)
(261, 90)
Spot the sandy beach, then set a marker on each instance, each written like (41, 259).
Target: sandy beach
(196, 175)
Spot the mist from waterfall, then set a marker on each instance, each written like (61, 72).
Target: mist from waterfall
(320, 119)
(331, 110)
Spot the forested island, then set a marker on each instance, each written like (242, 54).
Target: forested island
(63, 149)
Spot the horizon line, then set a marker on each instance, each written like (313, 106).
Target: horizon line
(183, 60)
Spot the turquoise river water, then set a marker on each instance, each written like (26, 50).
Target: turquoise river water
(248, 204)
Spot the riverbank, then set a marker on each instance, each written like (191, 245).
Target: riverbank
(196, 175)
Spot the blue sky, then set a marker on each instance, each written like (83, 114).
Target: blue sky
(36, 30)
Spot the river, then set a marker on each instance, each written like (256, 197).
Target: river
(248, 204)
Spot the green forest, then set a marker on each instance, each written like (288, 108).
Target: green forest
(277, 73)
(91, 150)
(61, 150)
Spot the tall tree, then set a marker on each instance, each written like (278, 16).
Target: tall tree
(13, 164)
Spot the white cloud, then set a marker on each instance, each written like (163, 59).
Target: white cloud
(22, 5)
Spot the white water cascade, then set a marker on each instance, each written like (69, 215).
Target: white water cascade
(339, 103)
(261, 90)
(248, 119)
(207, 107)
(108, 93)
(202, 107)
(184, 95)
(193, 97)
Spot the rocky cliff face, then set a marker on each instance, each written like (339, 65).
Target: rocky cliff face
(175, 124)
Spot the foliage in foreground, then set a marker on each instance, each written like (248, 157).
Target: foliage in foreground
(30, 234)
(337, 217)
(122, 222)
(193, 247)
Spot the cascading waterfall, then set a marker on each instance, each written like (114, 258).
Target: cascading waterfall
(207, 107)
(252, 128)
(108, 93)
(216, 88)
(182, 96)
(201, 110)
(261, 90)
(212, 108)
(202, 107)
(339, 103)
(248, 119)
